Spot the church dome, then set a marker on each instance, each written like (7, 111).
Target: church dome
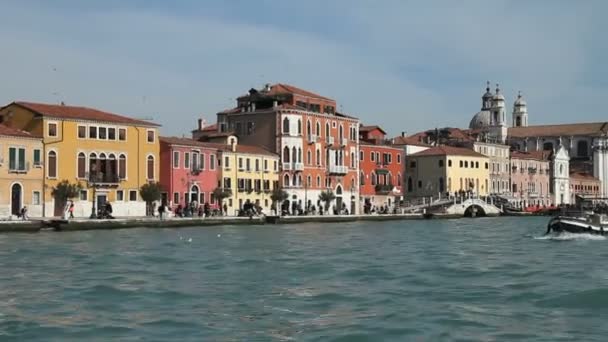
(520, 102)
(480, 120)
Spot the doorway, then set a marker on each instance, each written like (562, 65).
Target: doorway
(101, 201)
(16, 199)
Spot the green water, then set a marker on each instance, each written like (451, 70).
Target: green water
(468, 280)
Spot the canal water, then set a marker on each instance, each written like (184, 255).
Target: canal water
(480, 279)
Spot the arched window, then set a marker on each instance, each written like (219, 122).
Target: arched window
(398, 179)
(286, 155)
(286, 180)
(548, 146)
(299, 127)
(122, 167)
(449, 163)
(318, 181)
(318, 131)
(299, 180)
(82, 165)
(318, 157)
(341, 133)
(374, 179)
(308, 128)
(308, 181)
(362, 178)
(150, 173)
(52, 164)
(582, 148)
(410, 186)
(327, 130)
(286, 126)
(299, 154)
(294, 154)
(294, 181)
(308, 157)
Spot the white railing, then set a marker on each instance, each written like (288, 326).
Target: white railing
(312, 138)
(286, 166)
(344, 142)
(298, 166)
(338, 169)
(330, 140)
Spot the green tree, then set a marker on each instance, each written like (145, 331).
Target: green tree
(65, 190)
(327, 197)
(221, 194)
(150, 192)
(278, 195)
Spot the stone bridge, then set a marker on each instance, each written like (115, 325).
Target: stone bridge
(473, 207)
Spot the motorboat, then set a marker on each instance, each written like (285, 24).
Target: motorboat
(586, 223)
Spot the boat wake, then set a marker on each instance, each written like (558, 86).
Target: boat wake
(566, 236)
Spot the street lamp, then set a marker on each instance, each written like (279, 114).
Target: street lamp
(92, 184)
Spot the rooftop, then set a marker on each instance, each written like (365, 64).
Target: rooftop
(282, 88)
(532, 155)
(244, 149)
(583, 176)
(12, 132)
(448, 151)
(79, 113)
(589, 129)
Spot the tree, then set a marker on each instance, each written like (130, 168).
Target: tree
(150, 192)
(221, 194)
(278, 195)
(327, 197)
(65, 190)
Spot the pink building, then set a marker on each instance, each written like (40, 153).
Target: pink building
(188, 171)
(530, 177)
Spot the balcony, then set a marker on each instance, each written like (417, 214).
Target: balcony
(18, 167)
(383, 188)
(298, 166)
(312, 138)
(531, 170)
(287, 166)
(338, 169)
(343, 142)
(103, 179)
(330, 140)
(195, 171)
(533, 194)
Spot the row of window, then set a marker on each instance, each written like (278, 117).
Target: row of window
(296, 181)
(17, 160)
(311, 132)
(385, 179)
(194, 160)
(100, 132)
(580, 187)
(466, 184)
(102, 167)
(247, 164)
(462, 164)
(387, 158)
(249, 184)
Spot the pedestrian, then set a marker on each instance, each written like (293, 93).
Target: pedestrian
(225, 209)
(24, 213)
(71, 209)
(161, 211)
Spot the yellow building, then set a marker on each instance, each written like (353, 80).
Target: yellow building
(446, 169)
(110, 155)
(21, 173)
(250, 172)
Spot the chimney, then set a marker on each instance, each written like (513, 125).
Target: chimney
(200, 124)
(404, 134)
(232, 144)
(62, 103)
(267, 87)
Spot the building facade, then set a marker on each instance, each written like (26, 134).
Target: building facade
(251, 173)
(584, 186)
(317, 145)
(110, 155)
(500, 173)
(447, 170)
(380, 170)
(21, 173)
(530, 179)
(560, 176)
(189, 171)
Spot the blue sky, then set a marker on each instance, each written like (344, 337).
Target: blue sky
(405, 65)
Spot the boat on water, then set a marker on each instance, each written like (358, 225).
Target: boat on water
(586, 223)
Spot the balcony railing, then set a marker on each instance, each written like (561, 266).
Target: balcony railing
(330, 140)
(343, 142)
(312, 138)
(298, 166)
(287, 166)
(383, 188)
(532, 170)
(103, 178)
(338, 169)
(18, 167)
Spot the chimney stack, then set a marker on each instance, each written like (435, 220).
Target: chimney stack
(403, 134)
(200, 124)
(232, 145)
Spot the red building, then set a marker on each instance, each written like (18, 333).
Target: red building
(317, 145)
(381, 170)
(189, 171)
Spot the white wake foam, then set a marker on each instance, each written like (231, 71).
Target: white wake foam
(566, 236)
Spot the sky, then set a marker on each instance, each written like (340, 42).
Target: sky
(404, 65)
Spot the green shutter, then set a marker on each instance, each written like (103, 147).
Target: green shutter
(21, 159)
(12, 158)
(36, 157)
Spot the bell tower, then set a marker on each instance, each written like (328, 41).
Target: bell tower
(520, 112)
(498, 116)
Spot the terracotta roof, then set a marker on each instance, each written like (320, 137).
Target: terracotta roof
(5, 130)
(447, 151)
(589, 129)
(80, 113)
(186, 142)
(282, 88)
(211, 128)
(371, 144)
(583, 176)
(532, 155)
(371, 128)
(249, 149)
(420, 138)
(409, 140)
